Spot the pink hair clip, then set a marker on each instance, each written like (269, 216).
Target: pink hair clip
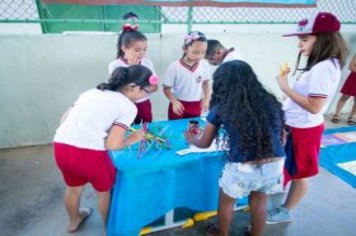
(153, 80)
(192, 36)
(129, 27)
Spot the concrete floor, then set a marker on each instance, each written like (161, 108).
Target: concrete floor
(31, 202)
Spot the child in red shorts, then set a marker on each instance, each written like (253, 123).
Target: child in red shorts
(97, 122)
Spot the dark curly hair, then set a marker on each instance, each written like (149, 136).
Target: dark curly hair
(245, 105)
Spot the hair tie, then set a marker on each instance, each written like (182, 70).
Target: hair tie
(191, 37)
(153, 80)
(129, 27)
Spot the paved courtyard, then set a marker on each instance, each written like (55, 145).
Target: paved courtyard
(31, 202)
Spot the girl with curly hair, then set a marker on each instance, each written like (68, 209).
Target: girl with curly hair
(253, 120)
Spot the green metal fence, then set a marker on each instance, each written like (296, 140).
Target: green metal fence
(61, 17)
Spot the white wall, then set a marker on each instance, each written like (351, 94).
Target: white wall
(41, 75)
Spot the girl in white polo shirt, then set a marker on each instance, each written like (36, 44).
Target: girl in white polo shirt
(131, 50)
(186, 84)
(325, 49)
(97, 122)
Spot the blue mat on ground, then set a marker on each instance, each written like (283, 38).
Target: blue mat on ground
(339, 156)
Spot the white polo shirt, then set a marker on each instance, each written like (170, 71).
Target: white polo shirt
(321, 81)
(186, 81)
(122, 62)
(233, 55)
(92, 115)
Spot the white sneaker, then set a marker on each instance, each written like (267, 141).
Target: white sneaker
(278, 215)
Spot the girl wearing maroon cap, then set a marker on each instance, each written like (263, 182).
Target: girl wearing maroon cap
(316, 82)
(348, 90)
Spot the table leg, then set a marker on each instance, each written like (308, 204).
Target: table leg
(168, 223)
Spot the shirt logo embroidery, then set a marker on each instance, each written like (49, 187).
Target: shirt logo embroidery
(302, 25)
(199, 79)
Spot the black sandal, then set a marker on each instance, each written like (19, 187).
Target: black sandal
(335, 119)
(350, 121)
(212, 230)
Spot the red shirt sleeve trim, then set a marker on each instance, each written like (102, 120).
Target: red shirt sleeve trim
(315, 95)
(121, 125)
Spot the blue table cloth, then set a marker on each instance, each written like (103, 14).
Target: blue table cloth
(332, 155)
(159, 181)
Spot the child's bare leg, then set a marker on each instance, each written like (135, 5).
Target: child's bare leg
(104, 204)
(72, 204)
(341, 104)
(353, 111)
(225, 213)
(296, 192)
(257, 204)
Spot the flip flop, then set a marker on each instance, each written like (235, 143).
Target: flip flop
(335, 119)
(87, 212)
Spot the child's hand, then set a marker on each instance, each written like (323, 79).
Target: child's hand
(283, 76)
(178, 107)
(132, 58)
(284, 70)
(189, 136)
(137, 136)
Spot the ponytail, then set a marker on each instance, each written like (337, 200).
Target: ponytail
(116, 81)
(128, 35)
(122, 76)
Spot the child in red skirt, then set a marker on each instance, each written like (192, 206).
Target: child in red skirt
(325, 50)
(131, 50)
(186, 84)
(348, 90)
(97, 122)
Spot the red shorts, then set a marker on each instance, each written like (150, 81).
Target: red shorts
(144, 112)
(306, 147)
(191, 109)
(80, 166)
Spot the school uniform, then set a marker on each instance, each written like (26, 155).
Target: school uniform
(79, 142)
(143, 105)
(349, 87)
(232, 55)
(186, 82)
(307, 128)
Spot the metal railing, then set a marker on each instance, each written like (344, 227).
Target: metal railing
(34, 11)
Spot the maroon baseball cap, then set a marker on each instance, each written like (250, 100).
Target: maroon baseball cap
(322, 22)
